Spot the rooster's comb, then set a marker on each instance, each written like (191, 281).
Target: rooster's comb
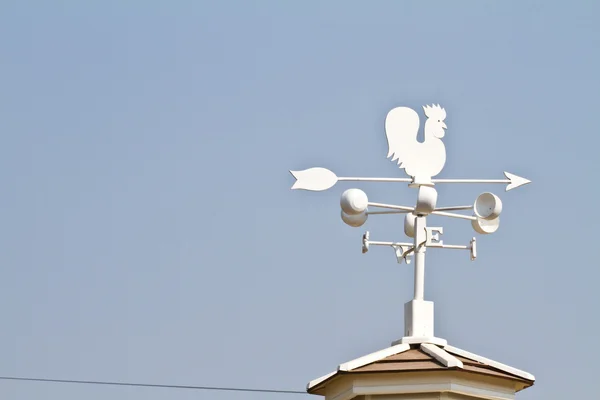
(434, 111)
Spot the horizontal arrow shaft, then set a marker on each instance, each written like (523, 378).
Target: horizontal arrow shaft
(357, 179)
(470, 180)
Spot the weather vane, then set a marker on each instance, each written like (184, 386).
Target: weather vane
(421, 161)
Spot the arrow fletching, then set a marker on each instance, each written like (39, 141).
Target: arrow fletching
(314, 179)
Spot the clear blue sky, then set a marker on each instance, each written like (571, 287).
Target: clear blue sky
(147, 228)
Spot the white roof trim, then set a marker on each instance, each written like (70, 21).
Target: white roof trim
(315, 382)
(448, 360)
(371, 358)
(361, 361)
(491, 363)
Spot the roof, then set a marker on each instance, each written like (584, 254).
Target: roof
(423, 357)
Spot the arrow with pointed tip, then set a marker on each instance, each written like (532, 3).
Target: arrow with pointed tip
(318, 179)
(514, 181)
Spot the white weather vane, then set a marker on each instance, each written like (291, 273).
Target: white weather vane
(421, 161)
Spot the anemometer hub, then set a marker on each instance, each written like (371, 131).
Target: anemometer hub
(426, 200)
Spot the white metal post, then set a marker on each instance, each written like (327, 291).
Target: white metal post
(420, 238)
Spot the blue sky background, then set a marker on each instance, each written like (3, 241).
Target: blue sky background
(148, 232)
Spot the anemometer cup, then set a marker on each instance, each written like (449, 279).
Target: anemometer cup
(485, 226)
(487, 206)
(487, 209)
(354, 201)
(355, 220)
(409, 224)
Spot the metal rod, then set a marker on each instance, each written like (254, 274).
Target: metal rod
(390, 206)
(450, 246)
(453, 215)
(375, 243)
(471, 181)
(410, 209)
(454, 208)
(388, 212)
(358, 179)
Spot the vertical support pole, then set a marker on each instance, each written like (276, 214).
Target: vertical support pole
(419, 257)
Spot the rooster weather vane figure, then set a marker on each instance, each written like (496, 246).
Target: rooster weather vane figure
(421, 161)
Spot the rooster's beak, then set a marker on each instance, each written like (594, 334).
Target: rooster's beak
(444, 125)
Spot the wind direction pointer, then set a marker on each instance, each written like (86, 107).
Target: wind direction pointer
(318, 179)
(514, 181)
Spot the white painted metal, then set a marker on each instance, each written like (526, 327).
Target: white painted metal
(409, 225)
(317, 179)
(404, 250)
(391, 206)
(418, 318)
(354, 220)
(485, 226)
(513, 181)
(454, 208)
(492, 363)
(388, 212)
(354, 201)
(377, 243)
(403, 253)
(449, 246)
(369, 179)
(433, 236)
(453, 215)
(487, 206)
(373, 357)
(419, 160)
(447, 359)
(420, 239)
(426, 200)
(421, 339)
